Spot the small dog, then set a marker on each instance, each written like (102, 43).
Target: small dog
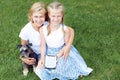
(27, 52)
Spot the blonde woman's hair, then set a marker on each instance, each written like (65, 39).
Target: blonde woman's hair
(37, 7)
(55, 6)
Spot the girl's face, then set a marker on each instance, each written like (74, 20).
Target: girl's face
(38, 19)
(55, 17)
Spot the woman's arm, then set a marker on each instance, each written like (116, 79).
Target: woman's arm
(23, 42)
(69, 36)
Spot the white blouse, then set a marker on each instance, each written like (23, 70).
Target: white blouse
(56, 38)
(28, 33)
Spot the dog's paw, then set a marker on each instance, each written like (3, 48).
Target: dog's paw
(25, 72)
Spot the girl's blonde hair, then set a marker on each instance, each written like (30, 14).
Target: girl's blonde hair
(55, 6)
(37, 7)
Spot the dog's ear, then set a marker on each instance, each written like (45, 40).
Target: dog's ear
(19, 46)
(30, 44)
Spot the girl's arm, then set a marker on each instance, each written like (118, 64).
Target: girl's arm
(42, 49)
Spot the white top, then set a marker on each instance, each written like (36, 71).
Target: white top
(56, 38)
(30, 34)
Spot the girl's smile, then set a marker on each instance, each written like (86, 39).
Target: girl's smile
(55, 17)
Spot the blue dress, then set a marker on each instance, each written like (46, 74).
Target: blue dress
(69, 69)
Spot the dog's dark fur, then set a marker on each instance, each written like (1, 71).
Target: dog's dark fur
(27, 52)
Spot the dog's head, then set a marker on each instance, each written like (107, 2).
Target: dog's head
(25, 50)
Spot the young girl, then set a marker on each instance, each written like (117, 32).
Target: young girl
(56, 37)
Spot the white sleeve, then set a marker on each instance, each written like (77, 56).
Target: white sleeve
(24, 34)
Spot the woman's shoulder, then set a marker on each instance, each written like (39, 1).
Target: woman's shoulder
(27, 26)
(45, 24)
(65, 27)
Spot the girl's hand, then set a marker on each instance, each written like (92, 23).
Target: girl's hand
(41, 63)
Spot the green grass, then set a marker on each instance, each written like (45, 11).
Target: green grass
(97, 36)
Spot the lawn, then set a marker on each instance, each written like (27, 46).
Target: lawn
(97, 36)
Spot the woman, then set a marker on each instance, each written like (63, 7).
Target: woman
(56, 36)
(31, 33)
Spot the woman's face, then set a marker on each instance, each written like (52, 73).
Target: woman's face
(38, 18)
(55, 17)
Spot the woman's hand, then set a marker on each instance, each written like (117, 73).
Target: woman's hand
(69, 36)
(29, 61)
(60, 54)
(66, 51)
